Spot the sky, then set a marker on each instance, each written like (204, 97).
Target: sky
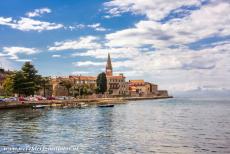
(180, 45)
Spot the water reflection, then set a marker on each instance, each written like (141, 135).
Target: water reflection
(105, 130)
(162, 126)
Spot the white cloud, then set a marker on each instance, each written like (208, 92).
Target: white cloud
(56, 56)
(95, 26)
(23, 60)
(38, 12)
(88, 42)
(88, 63)
(210, 20)
(80, 72)
(152, 9)
(5, 21)
(74, 27)
(5, 63)
(28, 24)
(12, 52)
(115, 53)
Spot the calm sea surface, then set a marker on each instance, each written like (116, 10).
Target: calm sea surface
(152, 126)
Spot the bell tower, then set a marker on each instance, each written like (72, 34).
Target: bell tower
(109, 69)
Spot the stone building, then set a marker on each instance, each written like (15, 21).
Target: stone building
(60, 90)
(89, 80)
(163, 93)
(57, 89)
(116, 85)
(141, 88)
(153, 88)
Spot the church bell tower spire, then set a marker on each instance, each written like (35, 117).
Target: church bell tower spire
(109, 69)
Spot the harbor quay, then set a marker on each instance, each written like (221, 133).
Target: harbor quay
(78, 103)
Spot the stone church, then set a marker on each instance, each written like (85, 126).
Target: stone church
(116, 84)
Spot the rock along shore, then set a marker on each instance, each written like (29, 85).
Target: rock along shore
(74, 102)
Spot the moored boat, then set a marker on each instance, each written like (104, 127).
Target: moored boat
(83, 105)
(106, 105)
(38, 106)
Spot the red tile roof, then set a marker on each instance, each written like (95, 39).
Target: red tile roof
(116, 77)
(84, 77)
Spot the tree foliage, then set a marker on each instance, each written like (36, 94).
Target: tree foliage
(31, 79)
(67, 84)
(23, 82)
(8, 85)
(18, 82)
(101, 83)
(81, 90)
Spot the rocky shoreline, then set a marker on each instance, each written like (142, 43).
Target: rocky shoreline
(74, 102)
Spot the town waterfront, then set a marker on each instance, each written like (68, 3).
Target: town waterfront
(143, 126)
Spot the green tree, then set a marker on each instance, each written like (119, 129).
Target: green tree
(101, 83)
(86, 90)
(8, 86)
(81, 90)
(67, 84)
(23, 82)
(18, 82)
(31, 79)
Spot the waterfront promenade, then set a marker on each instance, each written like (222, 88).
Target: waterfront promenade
(74, 102)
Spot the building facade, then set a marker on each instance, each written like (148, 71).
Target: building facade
(75, 81)
(116, 85)
(140, 88)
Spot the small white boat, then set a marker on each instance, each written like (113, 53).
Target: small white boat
(83, 105)
(38, 106)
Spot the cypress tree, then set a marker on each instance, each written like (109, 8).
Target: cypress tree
(101, 83)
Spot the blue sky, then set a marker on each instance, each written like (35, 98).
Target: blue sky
(180, 45)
